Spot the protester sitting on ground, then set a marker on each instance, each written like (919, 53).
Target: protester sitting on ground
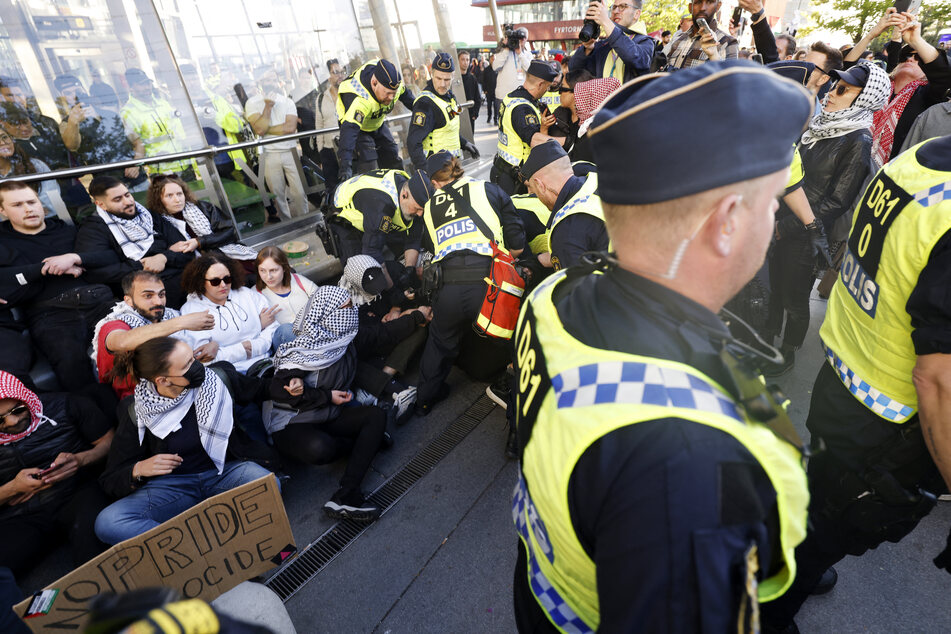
(176, 445)
(15, 161)
(282, 288)
(140, 316)
(310, 420)
(244, 323)
(203, 227)
(140, 239)
(43, 277)
(49, 448)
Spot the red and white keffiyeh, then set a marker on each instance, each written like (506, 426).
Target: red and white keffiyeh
(886, 120)
(589, 95)
(12, 387)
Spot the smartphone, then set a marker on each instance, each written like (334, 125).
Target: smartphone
(737, 12)
(911, 6)
(46, 471)
(703, 26)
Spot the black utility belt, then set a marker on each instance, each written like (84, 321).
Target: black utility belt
(460, 275)
(504, 166)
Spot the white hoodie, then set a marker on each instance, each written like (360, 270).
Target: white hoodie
(238, 320)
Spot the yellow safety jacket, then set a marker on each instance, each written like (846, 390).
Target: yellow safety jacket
(867, 331)
(555, 393)
(796, 172)
(159, 125)
(552, 99)
(379, 180)
(364, 110)
(447, 136)
(531, 204)
(229, 121)
(585, 201)
(451, 229)
(511, 148)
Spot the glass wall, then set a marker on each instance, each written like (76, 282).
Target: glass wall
(92, 82)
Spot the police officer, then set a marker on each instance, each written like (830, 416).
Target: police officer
(654, 493)
(434, 125)
(462, 219)
(576, 225)
(154, 126)
(363, 100)
(522, 124)
(377, 209)
(879, 404)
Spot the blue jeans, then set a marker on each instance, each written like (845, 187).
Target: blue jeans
(166, 496)
(283, 334)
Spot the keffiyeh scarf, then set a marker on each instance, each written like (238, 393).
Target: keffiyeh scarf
(589, 95)
(858, 116)
(135, 235)
(352, 280)
(198, 222)
(12, 387)
(126, 314)
(213, 409)
(323, 329)
(886, 120)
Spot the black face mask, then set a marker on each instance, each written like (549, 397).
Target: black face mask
(195, 375)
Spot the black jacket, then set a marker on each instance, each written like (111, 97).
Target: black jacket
(835, 170)
(222, 231)
(94, 235)
(489, 79)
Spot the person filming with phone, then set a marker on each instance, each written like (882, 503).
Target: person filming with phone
(623, 54)
(704, 41)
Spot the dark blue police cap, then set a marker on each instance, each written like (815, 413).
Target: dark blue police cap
(438, 161)
(421, 187)
(136, 76)
(799, 72)
(541, 156)
(387, 74)
(443, 62)
(544, 70)
(745, 121)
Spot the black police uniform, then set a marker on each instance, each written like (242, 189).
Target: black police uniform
(422, 127)
(578, 233)
(457, 304)
(526, 125)
(693, 477)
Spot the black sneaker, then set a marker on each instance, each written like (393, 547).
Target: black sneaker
(353, 506)
(423, 409)
(779, 369)
(511, 445)
(500, 391)
(826, 582)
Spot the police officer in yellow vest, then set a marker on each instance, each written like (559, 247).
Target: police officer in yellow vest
(624, 54)
(879, 405)
(434, 125)
(154, 126)
(661, 485)
(378, 209)
(462, 219)
(576, 224)
(522, 124)
(363, 101)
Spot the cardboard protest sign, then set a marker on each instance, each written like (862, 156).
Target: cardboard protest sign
(205, 551)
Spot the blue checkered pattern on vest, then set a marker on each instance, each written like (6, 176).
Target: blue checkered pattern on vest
(883, 405)
(567, 208)
(481, 249)
(551, 601)
(934, 195)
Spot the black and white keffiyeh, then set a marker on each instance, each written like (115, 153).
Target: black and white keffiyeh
(874, 96)
(135, 235)
(213, 409)
(198, 222)
(323, 329)
(352, 279)
(126, 314)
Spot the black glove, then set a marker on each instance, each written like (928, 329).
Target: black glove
(943, 560)
(820, 245)
(470, 147)
(789, 225)
(345, 173)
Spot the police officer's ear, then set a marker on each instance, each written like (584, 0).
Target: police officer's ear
(722, 223)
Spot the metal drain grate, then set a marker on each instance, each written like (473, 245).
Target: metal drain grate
(307, 564)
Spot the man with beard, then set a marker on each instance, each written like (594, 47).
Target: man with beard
(435, 124)
(142, 315)
(692, 48)
(42, 275)
(623, 54)
(154, 126)
(135, 237)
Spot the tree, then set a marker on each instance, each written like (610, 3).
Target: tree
(856, 17)
(660, 15)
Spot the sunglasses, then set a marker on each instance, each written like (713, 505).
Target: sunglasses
(565, 90)
(16, 411)
(841, 88)
(216, 281)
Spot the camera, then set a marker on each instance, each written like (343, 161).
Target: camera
(513, 37)
(589, 31)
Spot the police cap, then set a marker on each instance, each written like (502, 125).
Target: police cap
(437, 161)
(542, 155)
(444, 63)
(387, 74)
(799, 72)
(750, 120)
(421, 187)
(544, 70)
(136, 76)
(62, 82)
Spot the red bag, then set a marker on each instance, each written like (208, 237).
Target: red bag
(503, 298)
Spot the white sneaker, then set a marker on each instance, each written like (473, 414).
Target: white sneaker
(404, 401)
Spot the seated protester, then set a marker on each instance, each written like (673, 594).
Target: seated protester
(244, 323)
(311, 386)
(49, 449)
(140, 316)
(139, 239)
(202, 226)
(42, 276)
(176, 444)
(282, 288)
(16, 161)
(375, 210)
(589, 95)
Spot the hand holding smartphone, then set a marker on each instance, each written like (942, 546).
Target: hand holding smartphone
(39, 475)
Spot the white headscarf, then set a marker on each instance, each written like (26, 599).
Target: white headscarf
(858, 116)
(324, 331)
(352, 280)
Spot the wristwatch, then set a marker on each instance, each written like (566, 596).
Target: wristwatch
(755, 17)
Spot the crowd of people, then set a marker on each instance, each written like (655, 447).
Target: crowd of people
(188, 363)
